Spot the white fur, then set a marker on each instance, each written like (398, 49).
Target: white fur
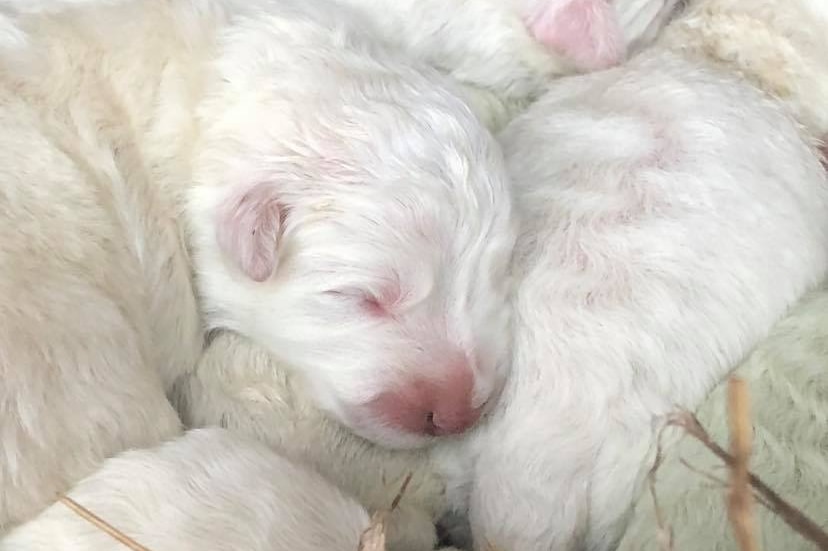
(124, 126)
(485, 44)
(209, 490)
(672, 213)
(241, 387)
(788, 384)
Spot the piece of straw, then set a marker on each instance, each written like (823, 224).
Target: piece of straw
(740, 497)
(793, 517)
(101, 524)
(373, 538)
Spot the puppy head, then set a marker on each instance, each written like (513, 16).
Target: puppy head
(361, 232)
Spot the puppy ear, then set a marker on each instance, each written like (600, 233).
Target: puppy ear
(249, 227)
(586, 32)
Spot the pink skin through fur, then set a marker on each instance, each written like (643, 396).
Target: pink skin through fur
(248, 230)
(434, 407)
(585, 32)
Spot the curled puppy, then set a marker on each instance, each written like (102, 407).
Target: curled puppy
(208, 490)
(672, 212)
(336, 203)
(240, 386)
(504, 51)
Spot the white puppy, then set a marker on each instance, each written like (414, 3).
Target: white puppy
(240, 386)
(504, 51)
(343, 207)
(672, 212)
(208, 490)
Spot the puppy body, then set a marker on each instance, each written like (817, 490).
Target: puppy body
(97, 309)
(208, 490)
(504, 52)
(144, 138)
(672, 213)
(240, 386)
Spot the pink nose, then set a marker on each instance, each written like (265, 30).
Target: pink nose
(438, 406)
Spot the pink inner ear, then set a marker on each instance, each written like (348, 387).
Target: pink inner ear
(586, 32)
(248, 228)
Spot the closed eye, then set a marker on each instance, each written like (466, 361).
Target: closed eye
(367, 301)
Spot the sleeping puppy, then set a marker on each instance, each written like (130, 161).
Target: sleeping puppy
(329, 199)
(672, 211)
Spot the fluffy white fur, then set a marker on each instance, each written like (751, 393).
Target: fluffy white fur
(672, 213)
(504, 51)
(343, 207)
(240, 386)
(788, 384)
(209, 490)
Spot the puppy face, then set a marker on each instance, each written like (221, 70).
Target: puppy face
(365, 239)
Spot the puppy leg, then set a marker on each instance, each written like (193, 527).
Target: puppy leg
(586, 32)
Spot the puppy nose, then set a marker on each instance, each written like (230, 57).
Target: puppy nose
(451, 400)
(438, 406)
(451, 419)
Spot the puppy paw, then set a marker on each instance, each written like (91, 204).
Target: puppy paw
(585, 32)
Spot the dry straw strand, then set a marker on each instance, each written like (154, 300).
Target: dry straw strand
(373, 538)
(793, 517)
(740, 497)
(101, 524)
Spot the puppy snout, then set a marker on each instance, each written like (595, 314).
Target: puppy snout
(438, 406)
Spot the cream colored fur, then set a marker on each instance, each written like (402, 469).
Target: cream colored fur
(209, 490)
(787, 376)
(779, 46)
(97, 309)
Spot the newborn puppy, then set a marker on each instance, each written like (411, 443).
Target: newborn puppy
(336, 203)
(209, 490)
(672, 212)
(504, 51)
